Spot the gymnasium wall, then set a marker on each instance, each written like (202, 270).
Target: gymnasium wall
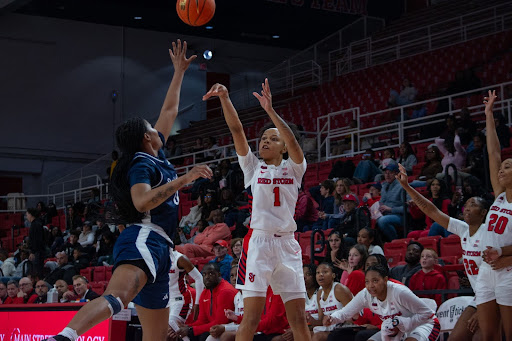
(57, 79)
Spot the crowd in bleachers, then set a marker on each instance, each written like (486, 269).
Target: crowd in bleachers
(355, 201)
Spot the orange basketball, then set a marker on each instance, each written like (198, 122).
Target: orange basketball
(195, 12)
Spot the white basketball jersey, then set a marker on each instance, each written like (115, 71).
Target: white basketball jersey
(472, 247)
(177, 282)
(498, 224)
(239, 304)
(331, 304)
(275, 190)
(312, 305)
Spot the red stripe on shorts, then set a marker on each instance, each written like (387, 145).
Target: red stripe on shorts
(243, 259)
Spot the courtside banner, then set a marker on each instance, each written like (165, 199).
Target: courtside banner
(35, 322)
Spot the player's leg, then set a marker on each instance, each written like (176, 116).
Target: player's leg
(506, 315)
(124, 285)
(296, 315)
(253, 307)
(228, 336)
(489, 320)
(320, 336)
(154, 323)
(461, 331)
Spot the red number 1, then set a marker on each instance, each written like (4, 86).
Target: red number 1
(276, 196)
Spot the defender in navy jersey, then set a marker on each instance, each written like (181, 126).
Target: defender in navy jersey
(145, 190)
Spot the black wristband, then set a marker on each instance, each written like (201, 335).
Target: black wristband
(190, 333)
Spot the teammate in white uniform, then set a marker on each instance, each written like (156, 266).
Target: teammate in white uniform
(311, 291)
(493, 295)
(404, 315)
(180, 297)
(270, 254)
(331, 296)
(473, 241)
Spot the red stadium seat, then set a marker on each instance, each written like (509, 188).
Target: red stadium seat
(98, 288)
(87, 273)
(394, 257)
(100, 273)
(108, 272)
(395, 246)
(430, 242)
(450, 246)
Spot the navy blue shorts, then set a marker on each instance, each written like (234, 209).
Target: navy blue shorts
(141, 242)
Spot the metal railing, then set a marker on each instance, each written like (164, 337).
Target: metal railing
(367, 52)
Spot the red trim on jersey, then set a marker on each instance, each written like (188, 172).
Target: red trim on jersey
(435, 331)
(242, 264)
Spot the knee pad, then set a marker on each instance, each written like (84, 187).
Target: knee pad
(114, 304)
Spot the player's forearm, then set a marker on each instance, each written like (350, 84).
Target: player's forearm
(172, 98)
(230, 115)
(491, 137)
(284, 129)
(155, 197)
(427, 207)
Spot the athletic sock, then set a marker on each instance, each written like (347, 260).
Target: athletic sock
(69, 334)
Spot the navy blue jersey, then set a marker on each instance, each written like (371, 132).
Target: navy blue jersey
(157, 171)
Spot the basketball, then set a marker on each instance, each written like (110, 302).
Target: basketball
(195, 12)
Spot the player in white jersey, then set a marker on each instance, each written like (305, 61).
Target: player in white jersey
(472, 238)
(493, 295)
(270, 254)
(331, 296)
(180, 298)
(404, 315)
(311, 291)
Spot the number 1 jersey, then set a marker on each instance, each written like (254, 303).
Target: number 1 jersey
(275, 190)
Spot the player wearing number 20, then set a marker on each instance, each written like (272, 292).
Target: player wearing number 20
(493, 295)
(270, 254)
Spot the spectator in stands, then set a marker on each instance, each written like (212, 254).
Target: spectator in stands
(192, 218)
(450, 128)
(432, 164)
(370, 239)
(105, 249)
(502, 130)
(102, 227)
(406, 157)
(92, 208)
(236, 248)
(220, 249)
(212, 304)
(388, 156)
(430, 277)
(306, 210)
(86, 238)
(36, 240)
(342, 189)
(475, 164)
(371, 200)
(43, 213)
(353, 275)
(438, 194)
(73, 219)
(71, 244)
(367, 168)
(172, 149)
(407, 94)
(9, 264)
(391, 203)
(24, 267)
(83, 293)
(64, 271)
(12, 293)
(403, 273)
(353, 219)
(466, 126)
(472, 187)
(203, 242)
(453, 153)
(342, 169)
(62, 288)
(26, 292)
(326, 205)
(211, 148)
(336, 252)
(42, 288)
(80, 259)
(228, 177)
(3, 292)
(55, 240)
(199, 228)
(228, 206)
(210, 203)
